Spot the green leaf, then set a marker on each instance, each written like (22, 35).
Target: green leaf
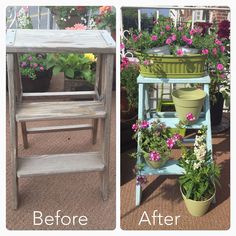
(56, 70)
(69, 73)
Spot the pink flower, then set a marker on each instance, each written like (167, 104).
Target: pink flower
(30, 58)
(180, 28)
(192, 31)
(124, 63)
(168, 27)
(214, 51)
(219, 67)
(170, 143)
(177, 137)
(134, 127)
(222, 76)
(41, 68)
(35, 65)
(184, 38)
(77, 27)
(173, 37)
(162, 32)
(122, 46)
(169, 41)
(205, 51)
(146, 62)
(190, 117)
(189, 41)
(154, 37)
(154, 156)
(141, 179)
(179, 52)
(135, 37)
(218, 42)
(222, 48)
(144, 124)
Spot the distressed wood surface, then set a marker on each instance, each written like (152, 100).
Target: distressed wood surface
(59, 164)
(28, 40)
(49, 129)
(34, 111)
(61, 95)
(13, 128)
(24, 134)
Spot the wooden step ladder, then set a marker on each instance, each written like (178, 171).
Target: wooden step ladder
(170, 119)
(98, 42)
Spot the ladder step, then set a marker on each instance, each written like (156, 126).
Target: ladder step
(59, 164)
(49, 129)
(170, 168)
(34, 111)
(171, 122)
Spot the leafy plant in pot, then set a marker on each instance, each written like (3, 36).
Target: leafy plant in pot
(197, 184)
(79, 70)
(155, 141)
(35, 75)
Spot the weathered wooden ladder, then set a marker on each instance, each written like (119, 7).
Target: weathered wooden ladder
(170, 119)
(98, 107)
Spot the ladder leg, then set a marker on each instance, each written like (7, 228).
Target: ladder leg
(24, 135)
(94, 130)
(147, 102)
(138, 194)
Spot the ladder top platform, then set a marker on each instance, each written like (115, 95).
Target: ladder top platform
(56, 41)
(145, 80)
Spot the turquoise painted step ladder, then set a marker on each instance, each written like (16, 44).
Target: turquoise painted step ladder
(170, 119)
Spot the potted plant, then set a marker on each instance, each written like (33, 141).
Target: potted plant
(197, 184)
(155, 141)
(182, 42)
(188, 101)
(78, 70)
(35, 75)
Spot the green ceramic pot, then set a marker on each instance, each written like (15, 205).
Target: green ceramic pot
(156, 164)
(197, 208)
(188, 100)
(171, 66)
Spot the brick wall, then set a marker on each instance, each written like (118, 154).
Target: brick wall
(219, 15)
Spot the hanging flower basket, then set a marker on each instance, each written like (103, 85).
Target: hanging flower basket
(172, 66)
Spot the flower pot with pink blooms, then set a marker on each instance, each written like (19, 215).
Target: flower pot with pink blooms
(190, 49)
(188, 104)
(35, 75)
(156, 142)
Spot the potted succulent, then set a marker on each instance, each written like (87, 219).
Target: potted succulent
(155, 141)
(78, 70)
(35, 75)
(197, 184)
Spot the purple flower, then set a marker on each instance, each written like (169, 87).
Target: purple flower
(219, 67)
(184, 38)
(190, 117)
(192, 31)
(41, 68)
(144, 124)
(154, 156)
(154, 37)
(189, 41)
(141, 179)
(180, 28)
(30, 58)
(205, 51)
(169, 41)
(134, 127)
(135, 37)
(23, 64)
(170, 143)
(179, 52)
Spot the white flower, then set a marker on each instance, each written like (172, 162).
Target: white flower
(196, 165)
